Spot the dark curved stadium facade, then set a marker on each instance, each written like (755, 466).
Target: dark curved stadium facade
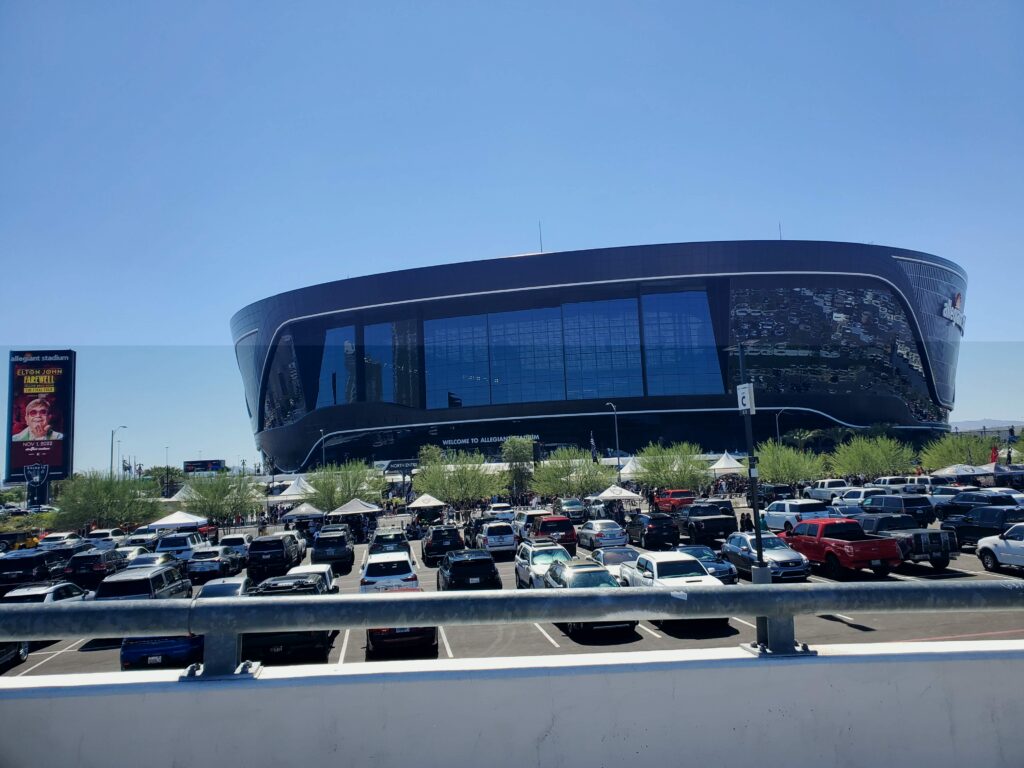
(463, 355)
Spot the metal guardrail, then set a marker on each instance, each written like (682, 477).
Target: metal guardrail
(223, 620)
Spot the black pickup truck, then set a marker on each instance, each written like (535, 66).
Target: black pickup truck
(917, 544)
(981, 522)
(704, 522)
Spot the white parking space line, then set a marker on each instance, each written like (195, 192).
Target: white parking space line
(444, 639)
(71, 647)
(905, 577)
(650, 632)
(549, 637)
(344, 646)
(744, 623)
(844, 618)
(820, 580)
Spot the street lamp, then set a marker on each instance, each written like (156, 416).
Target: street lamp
(323, 454)
(618, 462)
(167, 471)
(777, 414)
(112, 433)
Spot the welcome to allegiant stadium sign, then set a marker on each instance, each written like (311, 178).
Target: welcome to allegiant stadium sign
(953, 311)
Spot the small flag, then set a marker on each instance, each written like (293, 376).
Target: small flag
(593, 448)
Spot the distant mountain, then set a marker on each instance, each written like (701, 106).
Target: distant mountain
(969, 426)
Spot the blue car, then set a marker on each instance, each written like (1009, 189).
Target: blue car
(177, 652)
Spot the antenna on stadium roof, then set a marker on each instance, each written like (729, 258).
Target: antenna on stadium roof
(540, 236)
(780, 230)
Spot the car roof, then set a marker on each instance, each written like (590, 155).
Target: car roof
(60, 533)
(266, 538)
(130, 574)
(387, 557)
(556, 518)
(801, 502)
(470, 554)
(37, 589)
(91, 551)
(581, 565)
(23, 553)
(667, 556)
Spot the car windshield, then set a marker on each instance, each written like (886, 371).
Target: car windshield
(331, 540)
(701, 553)
(499, 530)
(272, 545)
(147, 560)
(233, 541)
(473, 567)
(572, 504)
(617, 556)
(38, 597)
(99, 535)
(208, 554)
(548, 556)
(174, 541)
(681, 568)
(123, 588)
(606, 525)
(771, 542)
(549, 526)
(593, 578)
(220, 590)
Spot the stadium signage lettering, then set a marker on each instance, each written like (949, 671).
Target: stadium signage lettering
(953, 311)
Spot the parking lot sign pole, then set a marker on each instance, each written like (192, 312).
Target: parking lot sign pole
(759, 573)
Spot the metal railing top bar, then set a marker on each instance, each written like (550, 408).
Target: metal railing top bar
(234, 616)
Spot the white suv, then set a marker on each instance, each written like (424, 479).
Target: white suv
(497, 537)
(826, 490)
(1005, 549)
(893, 484)
(388, 570)
(783, 515)
(533, 558)
(181, 545)
(106, 538)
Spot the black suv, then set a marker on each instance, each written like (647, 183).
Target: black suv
(653, 530)
(439, 541)
(980, 522)
(918, 507)
(705, 522)
(963, 503)
(87, 569)
(333, 548)
(269, 646)
(272, 556)
(27, 565)
(468, 569)
(159, 583)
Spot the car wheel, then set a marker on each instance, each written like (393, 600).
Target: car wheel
(4, 546)
(940, 563)
(22, 656)
(988, 560)
(833, 568)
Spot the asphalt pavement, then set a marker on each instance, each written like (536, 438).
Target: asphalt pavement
(76, 655)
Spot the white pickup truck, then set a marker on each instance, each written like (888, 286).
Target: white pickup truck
(666, 569)
(826, 490)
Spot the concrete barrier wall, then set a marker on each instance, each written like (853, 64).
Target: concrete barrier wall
(935, 705)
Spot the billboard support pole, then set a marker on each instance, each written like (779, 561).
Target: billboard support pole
(112, 433)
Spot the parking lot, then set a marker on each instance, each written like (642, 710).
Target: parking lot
(77, 655)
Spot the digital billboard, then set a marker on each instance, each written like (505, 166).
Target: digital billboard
(204, 465)
(41, 416)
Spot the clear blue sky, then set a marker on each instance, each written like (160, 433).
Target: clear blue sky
(162, 165)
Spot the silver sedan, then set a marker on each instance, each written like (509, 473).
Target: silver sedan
(602, 533)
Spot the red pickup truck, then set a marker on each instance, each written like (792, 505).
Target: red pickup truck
(671, 500)
(840, 543)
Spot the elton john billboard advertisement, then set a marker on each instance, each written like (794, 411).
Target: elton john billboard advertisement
(41, 418)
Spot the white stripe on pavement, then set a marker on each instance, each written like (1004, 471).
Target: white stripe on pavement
(53, 656)
(844, 618)
(344, 646)
(744, 623)
(650, 632)
(444, 639)
(549, 637)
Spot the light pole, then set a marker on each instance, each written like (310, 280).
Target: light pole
(777, 414)
(323, 454)
(618, 462)
(167, 470)
(112, 433)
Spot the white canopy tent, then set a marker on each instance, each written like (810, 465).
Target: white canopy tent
(961, 470)
(298, 490)
(615, 493)
(303, 512)
(426, 501)
(354, 507)
(726, 465)
(178, 520)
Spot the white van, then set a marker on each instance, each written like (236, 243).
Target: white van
(322, 570)
(181, 545)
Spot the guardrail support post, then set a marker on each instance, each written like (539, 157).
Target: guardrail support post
(220, 654)
(761, 574)
(781, 634)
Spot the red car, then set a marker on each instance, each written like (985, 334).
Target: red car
(557, 528)
(390, 638)
(671, 500)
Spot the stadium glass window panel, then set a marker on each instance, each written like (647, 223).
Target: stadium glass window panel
(602, 349)
(679, 345)
(391, 363)
(456, 362)
(526, 356)
(284, 401)
(337, 380)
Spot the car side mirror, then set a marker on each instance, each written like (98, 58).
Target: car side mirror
(1003, 535)
(744, 549)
